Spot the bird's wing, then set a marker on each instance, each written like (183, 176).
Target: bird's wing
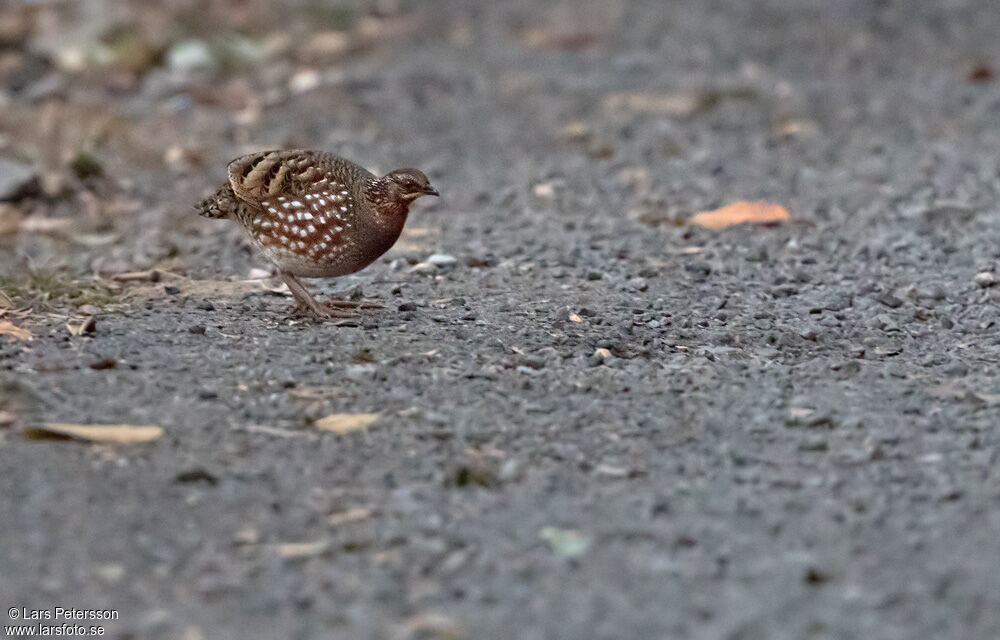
(298, 198)
(267, 175)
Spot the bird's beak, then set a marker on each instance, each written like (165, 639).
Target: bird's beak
(431, 191)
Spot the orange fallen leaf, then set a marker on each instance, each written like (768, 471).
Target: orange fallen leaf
(7, 328)
(104, 433)
(741, 212)
(346, 422)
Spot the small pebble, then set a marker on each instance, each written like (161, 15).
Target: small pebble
(985, 279)
(442, 260)
(638, 284)
(890, 300)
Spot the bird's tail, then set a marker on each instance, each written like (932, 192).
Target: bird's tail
(220, 205)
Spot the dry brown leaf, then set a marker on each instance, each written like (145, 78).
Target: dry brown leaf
(7, 328)
(355, 514)
(36, 224)
(272, 431)
(80, 327)
(104, 433)
(302, 549)
(741, 212)
(313, 393)
(10, 220)
(417, 232)
(435, 625)
(673, 104)
(346, 422)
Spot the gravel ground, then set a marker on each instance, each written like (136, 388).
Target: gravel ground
(598, 421)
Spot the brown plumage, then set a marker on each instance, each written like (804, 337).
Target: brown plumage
(314, 214)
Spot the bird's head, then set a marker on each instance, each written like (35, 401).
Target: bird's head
(407, 185)
(392, 194)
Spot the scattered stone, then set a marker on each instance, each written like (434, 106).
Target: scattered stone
(475, 261)
(638, 284)
(544, 190)
(304, 81)
(111, 573)
(532, 362)
(408, 306)
(191, 54)
(599, 357)
(85, 166)
(838, 302)
(890, 300)
(511, 470)
(247, 536)
(17, 180)
(565, 542)
(985, 279)
(815, 443)
(258, 274)
(359, 372)
(474, 469)
(198, 474)
(815, 576)
(442, 260)
(885, 323)
(611, 471)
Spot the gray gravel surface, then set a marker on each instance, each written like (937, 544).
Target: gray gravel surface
(597, 421)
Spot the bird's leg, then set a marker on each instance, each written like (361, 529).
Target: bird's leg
(305, 302)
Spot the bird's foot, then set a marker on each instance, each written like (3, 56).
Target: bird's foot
(349, 303)
(321, 311)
